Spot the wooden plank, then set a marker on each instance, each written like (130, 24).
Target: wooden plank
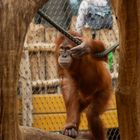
(42, 65)
(44, 47)
(34, 66)
(36, 33)
(25, 89)
(51, 71)
(56, 122)
(45, 83)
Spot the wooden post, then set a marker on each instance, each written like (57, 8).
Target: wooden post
(15, 17)
(128, 91)
(36, 34)
(25, 89)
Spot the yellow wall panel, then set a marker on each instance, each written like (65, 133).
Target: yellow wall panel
(56, 122)
(54, 103)
(48, 103)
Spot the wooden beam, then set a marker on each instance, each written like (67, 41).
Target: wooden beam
(44, 83)
(128, 91)
(35, 47)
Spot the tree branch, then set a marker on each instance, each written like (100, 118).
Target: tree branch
(30, 133)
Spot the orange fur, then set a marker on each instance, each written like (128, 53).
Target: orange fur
(87, 85)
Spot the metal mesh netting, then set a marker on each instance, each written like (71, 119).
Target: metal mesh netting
(61, 12)
(40, 101)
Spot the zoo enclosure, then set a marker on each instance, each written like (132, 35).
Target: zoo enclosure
(41, 104)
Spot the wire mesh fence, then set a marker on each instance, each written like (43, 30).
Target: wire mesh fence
(40, 101)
